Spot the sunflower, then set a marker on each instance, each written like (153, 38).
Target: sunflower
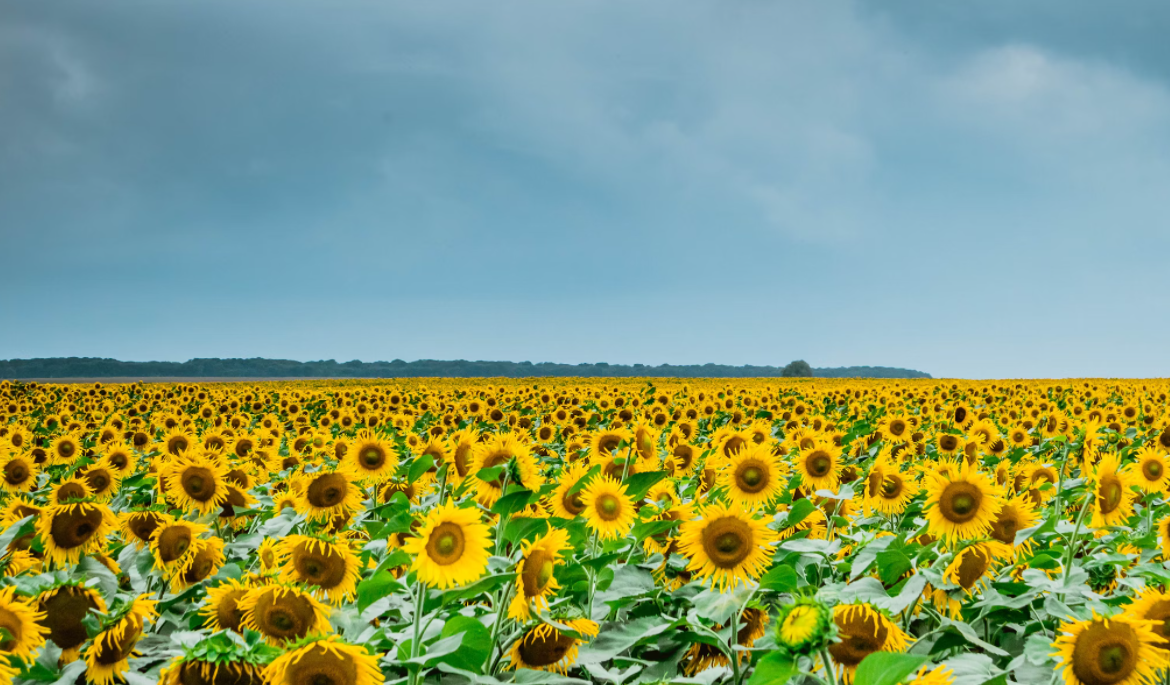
(1112, 493)
(460, 456)
(69, 530)
(63, 609)
(185, 670)
(544, 648)
(329, 495)
(949, 444)
(64, 449)
(500, 450)
(196, 482)
(120, 457)
(325, 660)
(753, 475)
(727, 544)
(819, 465)
(682, 459)
(327, 564)
(961, 504)
(108, 657)
(221, 607)
(1017, 514)
(1110, 651)
(895, 492)
(137, 527)
(371, 458)
(177, 441)
(939, 675)
(1150, 471)
(1153, 605)
(450, 548)
(970, 567)
(174, 546)
(205, 562)
(804, 626)
(701, 656)
(103, 480)
(18, 473)
(23, 626)
(664, 542)
(604, 443)
(70, 490)
(534, 574)
(863, 630)
(564, 504)
(281, 613)
(608, 510)
(268, 555)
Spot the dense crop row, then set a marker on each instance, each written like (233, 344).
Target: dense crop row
(570, 530)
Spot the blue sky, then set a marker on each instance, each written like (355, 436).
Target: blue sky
(971, 189)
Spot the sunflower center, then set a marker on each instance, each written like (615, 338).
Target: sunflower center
(1109, 494)
(608, 507)
(70, 491)
(891, 487)
(538, 571)
(1152, 469)
(373, 457)
(972, 567)
(1104, 655)
(173, 542)
(960, 502)
(328, 490)
(71, 529)
(727, 541)
(573, 503)
(446, 544)
(538, 650)
(64, 612)
(861, 635)
(199, 483)
(819, 463)
(1004, 528)
(324, 571)
(15, 473)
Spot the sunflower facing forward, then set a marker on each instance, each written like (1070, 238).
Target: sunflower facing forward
(282, 613)
(563, 503)
(727, 544)
(23, 624)
(819, 465)
(69, 530)
(608, 510)
(197, 482)
(372, 459)
(329, 494)
(1109, 651)
(753, 475)
(451, 547)
(962, 503)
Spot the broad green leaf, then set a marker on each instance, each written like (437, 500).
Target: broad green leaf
(376, 587)
(774, 669)
(779, 579)
(510, 504)
(639, 484)
(887, 668)
(420, 466)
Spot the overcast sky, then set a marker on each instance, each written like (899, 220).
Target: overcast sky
(977, 189)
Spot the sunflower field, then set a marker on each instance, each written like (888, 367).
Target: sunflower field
(621, 531)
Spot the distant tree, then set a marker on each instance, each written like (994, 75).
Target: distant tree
(797, 369)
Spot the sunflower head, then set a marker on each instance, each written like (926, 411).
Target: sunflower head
(962, 503)
(727, 544)
(328, 494)
(1109, 651)
(450, 548)
(282, 613)
(325, 660)
(753, 475)
(608, 510)
(196, 482)
(108, 657)
(863, 630)
(325, 563)
(544, 648)
(69, 530)
(804, 626)
(64, 608)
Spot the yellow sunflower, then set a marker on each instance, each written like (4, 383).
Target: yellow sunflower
(63, 609)
(971, 566)
(961, 504)
(137, 527)
(608, 511)
(326, 660)
(282, 613)
(534, 579)
(819, 465)
(1150, 471)
(501, 450)
(221, 607)
(70, 530)
(327, 564)
(1112, 494)
(329, 495)
(1017, 514)
(563, 504)
(1153, 605)
(204, 563)
(863, 630)
(753, 475)
(544, 648)
(18, 473)
(24, 626)
(371, 458)
(108, 657)
(65, 449)
(1109, 651)
(174, 546)
(197, 482)
(753, 624)
(727, 544)
(184, 670)
(450, 548)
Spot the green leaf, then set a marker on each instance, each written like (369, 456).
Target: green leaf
(524, 528)
(486, 584)
(473, 651)
(583, 481)
(376, 587)
(887, 668)
(647, 529)
(616, 638)
(719, 606)
(800, 510)
(490, 474)
(420, 466)
(774, 669)
(892, 564)
(510, 504)
(639, 484)
(779, 579)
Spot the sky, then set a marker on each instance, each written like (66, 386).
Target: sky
(976, 190)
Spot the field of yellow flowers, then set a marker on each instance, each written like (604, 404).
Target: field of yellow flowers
(620, 531)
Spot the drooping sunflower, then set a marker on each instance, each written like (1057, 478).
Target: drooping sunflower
(196, 481)
(1150, 470)
(18, 473)
(608, 510)
(544, 648)
(282, 613)
(727, 544)
(370, 458)
(450, 548)
(1109, 651)
(324, 660)
(682, 459)
(189, 670)
(69, 530)
(329, 494)
(63, 608)
(534, 574)
(327, 564)
(961, 504)
(1112, 493)
(137, 527)
(564, 504)
(971, 566)
(221, 607)
(23, 623)
(205, 562)
(753, 475)
(174, 546)
(863, 630)
(108, 657)
(1017, 514)
(460, 455)
(819, 465)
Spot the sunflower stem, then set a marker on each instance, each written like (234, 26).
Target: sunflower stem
(501, 611)
(415, 644)
(1072, 543)
(829, 667)
(733, 641)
